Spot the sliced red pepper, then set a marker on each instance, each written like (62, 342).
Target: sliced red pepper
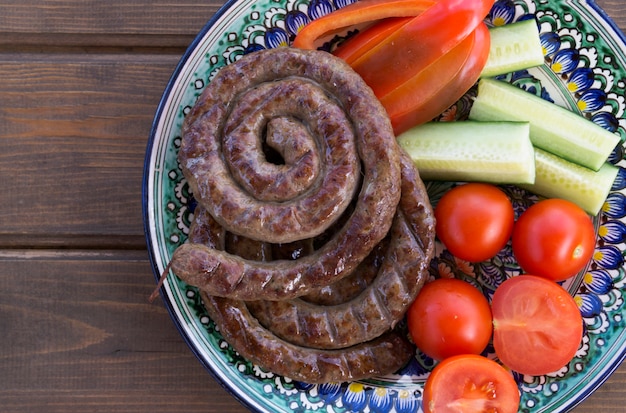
(359, 44)
(419, 43)
(407, 104)
(440, 85)
(364, 11)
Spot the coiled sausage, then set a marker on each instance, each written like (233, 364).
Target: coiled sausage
(346, 111)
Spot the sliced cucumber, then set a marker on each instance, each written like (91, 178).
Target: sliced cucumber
(552, 128)
(558, 178)
(496, 152)
(514, 46)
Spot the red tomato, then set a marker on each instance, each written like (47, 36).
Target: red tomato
(537, 326)
(450, 317)
(474, 221)
(470, 384)
(554, 239)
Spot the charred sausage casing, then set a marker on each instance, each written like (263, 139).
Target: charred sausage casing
(313, 231)
(344, 110)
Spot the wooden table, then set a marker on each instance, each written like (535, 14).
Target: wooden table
(79, 85)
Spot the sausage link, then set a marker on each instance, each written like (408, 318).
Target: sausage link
(384, 302)
(383, 355)
(346, 319)
(206, 230)
(252, 340)
(351, 286)
(223, 274)
(326, 111)
(331, 204)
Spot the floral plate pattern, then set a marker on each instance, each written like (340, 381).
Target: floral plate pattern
(583, 70)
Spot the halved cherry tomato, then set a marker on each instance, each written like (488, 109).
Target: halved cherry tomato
(474, 221)
(440, 85)
(554, 238)
(450, 317)
(470, 384)
(537, 326)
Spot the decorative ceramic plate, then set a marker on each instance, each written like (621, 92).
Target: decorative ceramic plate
(584, 71)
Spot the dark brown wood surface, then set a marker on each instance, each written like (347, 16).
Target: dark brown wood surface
(79, 85)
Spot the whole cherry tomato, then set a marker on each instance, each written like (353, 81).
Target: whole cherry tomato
(474, 221)
(450, 317)
(554, 238)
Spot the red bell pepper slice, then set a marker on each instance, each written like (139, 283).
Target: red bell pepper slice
(357, 45)
(364, 11)
(440, 85)
(419, 43)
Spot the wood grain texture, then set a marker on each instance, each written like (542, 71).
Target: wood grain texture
(80, 83)
(157, 17)
(78, 333)
(74, 134)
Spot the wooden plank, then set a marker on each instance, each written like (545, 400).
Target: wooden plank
(73, 134)
(78, 333)
(50, 43)
(157, 17)
(616, 10)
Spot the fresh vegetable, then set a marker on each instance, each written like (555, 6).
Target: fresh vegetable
(557, 178)
(497, 152)
(450, 317)
(357, 13)
(438, 86)
(474, 221)
(419, 43)
(417, 66)
(357, 45)
(552, 128)
(513, 47)
(470, 384)
(554, 239)
(537, 325)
